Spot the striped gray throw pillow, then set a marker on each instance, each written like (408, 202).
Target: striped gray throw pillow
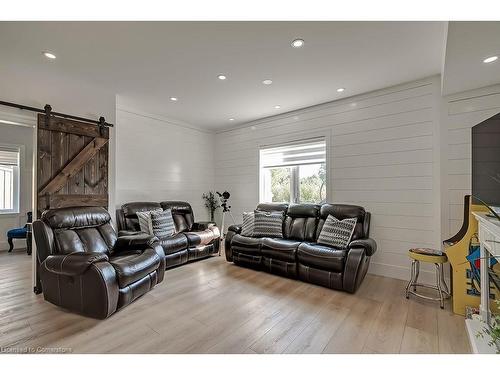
(145, 220)
(248, 224)
(337, 233)
(268, 224)
(162, 224)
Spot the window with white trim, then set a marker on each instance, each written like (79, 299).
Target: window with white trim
(9, 179)
(294, 172)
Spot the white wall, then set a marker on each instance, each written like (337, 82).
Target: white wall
(383, 149)
(21, 136)
(159, 159)
(460, 112)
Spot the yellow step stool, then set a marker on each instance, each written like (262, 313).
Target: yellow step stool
(429, 256)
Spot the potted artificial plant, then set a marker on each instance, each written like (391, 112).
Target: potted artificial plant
(211, 202)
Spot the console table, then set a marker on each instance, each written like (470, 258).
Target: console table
(489, 239)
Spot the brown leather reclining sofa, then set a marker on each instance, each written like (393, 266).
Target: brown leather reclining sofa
(191, 241)
(86, 268)
(298, 255)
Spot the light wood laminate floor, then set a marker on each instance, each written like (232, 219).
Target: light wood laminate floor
(212, 306)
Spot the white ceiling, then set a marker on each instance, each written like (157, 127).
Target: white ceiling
(468, 44)
(147, 63)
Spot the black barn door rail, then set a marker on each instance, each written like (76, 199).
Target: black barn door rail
(48, 111)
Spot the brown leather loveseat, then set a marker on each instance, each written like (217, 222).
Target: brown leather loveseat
(86, 268)
(298, 255)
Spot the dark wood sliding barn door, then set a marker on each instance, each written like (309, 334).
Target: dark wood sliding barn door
(72, 163)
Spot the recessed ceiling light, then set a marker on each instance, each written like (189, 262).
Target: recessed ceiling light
(490, 59)
(298, 43)
(277, 107)
(253, 127)
(49, 55)
(231, 119)
(340, 89)
(174, 99)
(267, 82)
(222, 77)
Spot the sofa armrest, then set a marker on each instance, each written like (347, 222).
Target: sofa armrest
(139, 241)
(236, 228)
(203, 225)
(207, 225)
(73, 264)
(368, 244)
(231, 232)
(356, 266)
(161, 254)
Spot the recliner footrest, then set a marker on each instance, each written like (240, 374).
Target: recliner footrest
(202, 251)
(246, 259)
(176, 259)
(332, 280)
(280, 267)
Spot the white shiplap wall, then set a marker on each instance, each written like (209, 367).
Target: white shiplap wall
(158, 159)
(383, 152)
(459, 113)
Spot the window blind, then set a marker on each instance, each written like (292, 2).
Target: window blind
(9, 156)
(307, 152)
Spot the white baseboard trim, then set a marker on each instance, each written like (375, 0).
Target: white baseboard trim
(403, 273)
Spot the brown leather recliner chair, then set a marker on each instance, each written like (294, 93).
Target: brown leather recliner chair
(86, 268)
(191, 241)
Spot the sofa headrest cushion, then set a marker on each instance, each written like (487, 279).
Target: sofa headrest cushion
(177, 207)
(130, 209)
(303, 210)
(272, 207)
(343, 211)
(76, 217)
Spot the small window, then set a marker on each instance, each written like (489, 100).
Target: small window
(9, 180)
(294, 173)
